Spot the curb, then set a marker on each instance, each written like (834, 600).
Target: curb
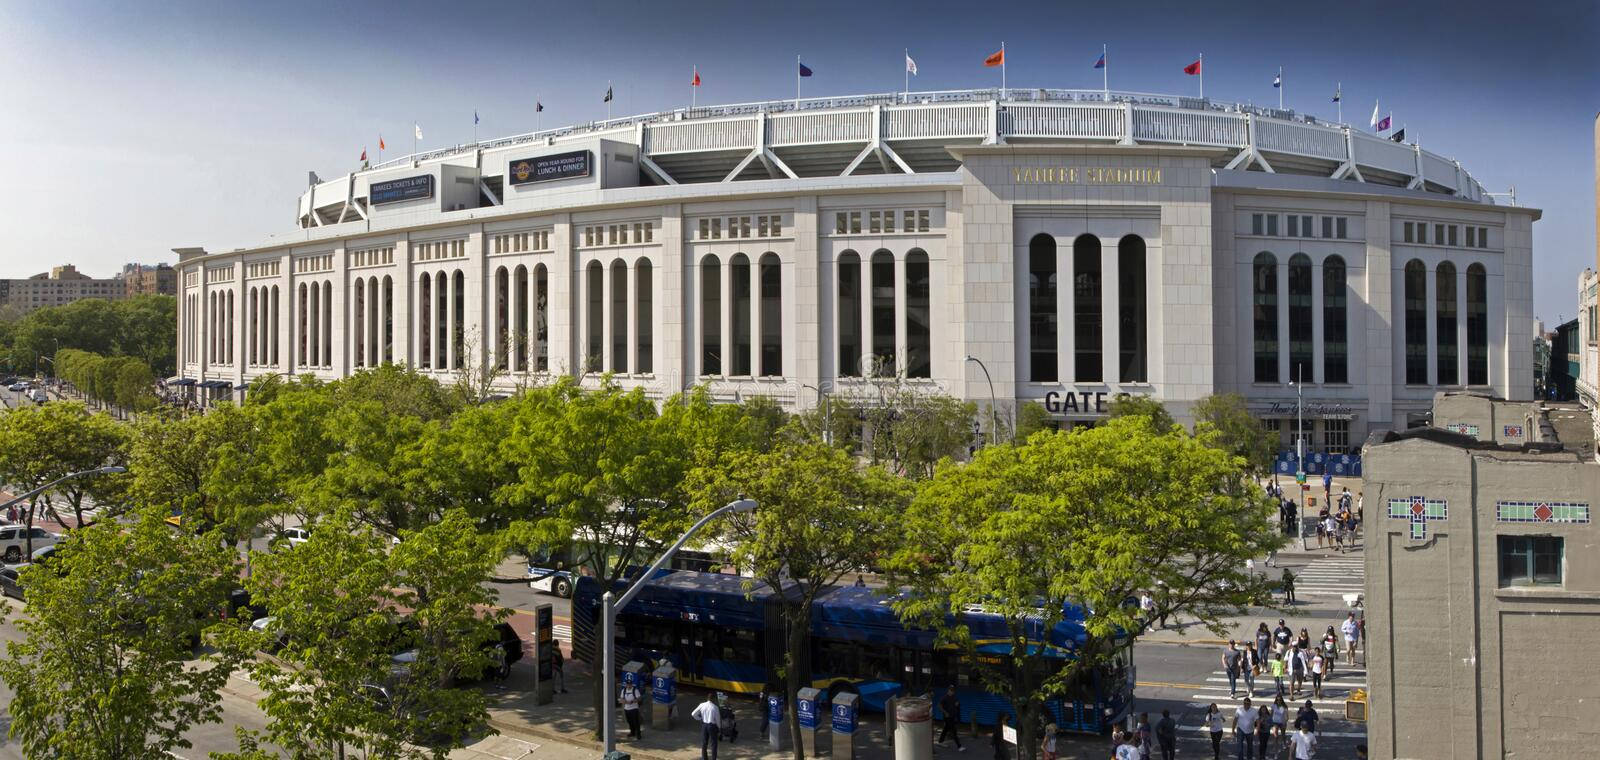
(515, 730)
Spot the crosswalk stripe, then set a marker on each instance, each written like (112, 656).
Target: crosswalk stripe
(1320, 734)
(1258, 701)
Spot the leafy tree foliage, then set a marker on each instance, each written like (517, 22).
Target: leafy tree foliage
(1236, 430)
(1031, 418)
(820, 517)
(1126, 404)
(102, 672)
(40, 444)
(1087, 519)
(122, 382)
(143, 328)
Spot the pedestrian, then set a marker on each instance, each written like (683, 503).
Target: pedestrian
(1288, 586)
(1307, 717)
(1047, 746)
(1248, 667)
(761, 704)
(861, 582)
(1330, 652)
(1297, 672)
(1146, 736)
(1280, 714)
(710, 727)
(1263, 731)
(1263, 642)
(1213, 723)
(1352, 637)
(1230, 662)
(1317, 663)
(951, 706)
(1305, 744)
(1360, 511)
(1000, 739)
(630, 698)
(1127, 749)
(1331, 528)
(1282, 637)
(1167, 735)
(1303, 641)
(1277, 666)
(1147, 606)
(1250, 568)
(560, 671)
(1244, 730)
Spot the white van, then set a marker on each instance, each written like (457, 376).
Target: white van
(14, 541)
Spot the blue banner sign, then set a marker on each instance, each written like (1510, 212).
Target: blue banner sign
(844, 718)
(663, 690)
(397, 190)
(526, 171)
(806, 709)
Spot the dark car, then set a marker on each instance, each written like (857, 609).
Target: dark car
(504, 649)
(10, 584)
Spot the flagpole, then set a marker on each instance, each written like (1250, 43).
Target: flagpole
(693, 90)
(1280, 88)
(905, 95)
(1002, 69)
(1338, 89)
(1202, 60)
(608, 100)
(797, 81)
(1105, 73)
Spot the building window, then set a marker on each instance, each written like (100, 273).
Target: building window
(1131, 305)
(1341, 228)
(1445, 323)
(710, 316)
(1335, 325)
(1335, 436)
(874, 222)
(883, 316)
(855, 222)
(849, 320)
(1410, 233)
(1531, 560)
(643, 308)
(1483, 237)
(840, 223)
(1042, 309)
(1327, 226)
(910, 220)
(919, 315)
(1272, 225)
(1452, 235)
(1265, 313)
(1302, 432)
(770, 282)
(1416, 328)
(1472, 237)
(1257, 224)
(740, 294)
(1438, 234)
(619, 316)
(705, 229)
(922, 220)
(1294, 225)
(1086, 309)
(594, 346)
(1301, 306)
(716, 228)
(1477, 325)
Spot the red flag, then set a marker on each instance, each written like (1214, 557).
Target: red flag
(998, 59)
(1192, 69)
(380, 142)
(363, 154)
(696, 82)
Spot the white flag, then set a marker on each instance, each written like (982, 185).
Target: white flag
(1374, 122)
(419, 130)
(911, 66)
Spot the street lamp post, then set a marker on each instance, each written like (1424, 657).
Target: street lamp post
(608, 616)
(1300, 450)
(827, 413)
(994, 429)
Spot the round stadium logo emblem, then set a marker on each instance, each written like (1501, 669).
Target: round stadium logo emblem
(522, 171)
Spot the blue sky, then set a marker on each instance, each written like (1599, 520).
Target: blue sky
(133, 128)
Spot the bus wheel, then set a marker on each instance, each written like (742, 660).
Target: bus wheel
(562, 588)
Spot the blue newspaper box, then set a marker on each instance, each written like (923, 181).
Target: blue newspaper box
(633, 674)
(807, 705)
(774, 709)
(663, 696)
(844, 725)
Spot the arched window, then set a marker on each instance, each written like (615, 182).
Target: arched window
(594, 349)
(388, 319)
(1445, 323)
(425, 321)
(1301, 306)
(327, 324)
(458, 330)
(519, 321)
(441, 318)
(1477, 325)
(919, 315)
(374, 322)
(883, 357)
(1132, 327)
(358, 327)
(771, 294)
(739, 293)
(1086, 318)
(541, 317)
(301, 311)
(849, 319)
(710, 316)
(1416, 308)
(1264, 315)
(502, 317)
(1043, 339)
(643, 306)
(315, 359)
(619, 316)
(1335, 323)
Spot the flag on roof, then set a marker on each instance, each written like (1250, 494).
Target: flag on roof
(418, 128)
(911, 65)
(380, 142)
(1193, 68)
(1100, 62)
(474, 117)
(1374, 122)
(696, 81)
(1338, 92)
(608, 94)
(537, 106)
(1383, 123)
(1277, 81)
(998, 59)
(805, 70)
(363, 154)
(1399, 135)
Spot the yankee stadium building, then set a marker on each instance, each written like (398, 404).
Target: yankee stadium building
(1049, 246)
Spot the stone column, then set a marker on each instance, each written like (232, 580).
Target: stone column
(1110, 313)
(1430, 294)
(1317, 327)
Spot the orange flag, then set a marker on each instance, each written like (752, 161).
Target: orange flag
(380, 142)
(997, 59)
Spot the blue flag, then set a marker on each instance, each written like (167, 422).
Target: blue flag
(1101, 62)
(474, 117)
(804, 70)
(1277, 81)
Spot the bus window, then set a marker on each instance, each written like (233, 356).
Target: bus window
(875, 665)
(740, 645)
(836, 658)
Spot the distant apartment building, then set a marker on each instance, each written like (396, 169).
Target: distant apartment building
(1586, 349)
(144, 279)
(60, 286)
(1482, 584)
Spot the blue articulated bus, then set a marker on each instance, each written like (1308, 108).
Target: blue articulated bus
(720, 636)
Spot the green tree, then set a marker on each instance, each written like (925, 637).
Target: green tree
(820, 516)
(1031, 418)
(103, 671)
(1085, 520)
(173, 466)
(40, 444)
(399, 390)
(1125, 404)
(344, 606)
(1237, 431)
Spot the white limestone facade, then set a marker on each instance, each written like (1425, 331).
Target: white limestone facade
(801, 259)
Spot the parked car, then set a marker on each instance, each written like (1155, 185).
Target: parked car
(17, 387)
(291, 537)
(38, 396)
(10, 584)
(14, 541)
(504, 650)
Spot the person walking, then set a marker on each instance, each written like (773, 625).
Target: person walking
(1167, 735)
(1288, 587)
(559, 669)
(710, 727)
(1306, 718)
(1282, 637)
(1244, 731)
(1146, 736)
(950, 705)
(1352, 637)
(1263, 642)
(761, 705)
(1213, 723)
(1263, 731)
(1317, 663)
(1147, 607)
(1278, 669)
(1000, 752)
(1047, 745)
(1127, 749)
(1249, 665)
(1330, 652)
(1280, 715)
(1231, 658)
(1331, 528)
(1297, 672)
(630, 697)
(1305, 744)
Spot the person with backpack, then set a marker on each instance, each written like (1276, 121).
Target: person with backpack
(950, 705)
(1167, 735)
